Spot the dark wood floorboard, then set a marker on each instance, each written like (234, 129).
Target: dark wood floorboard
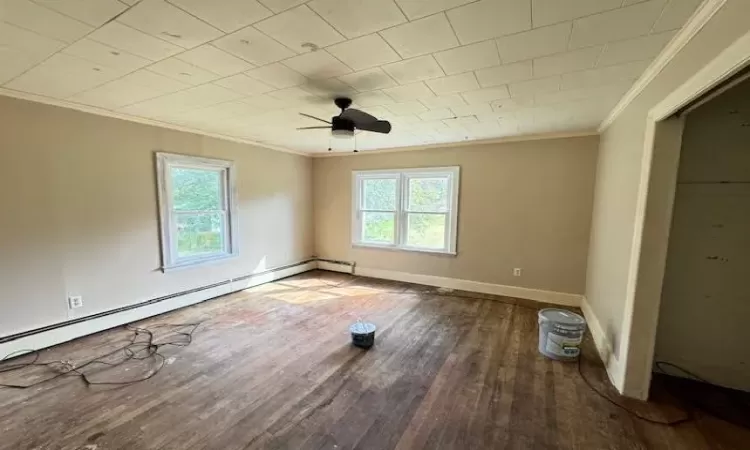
(272, 368)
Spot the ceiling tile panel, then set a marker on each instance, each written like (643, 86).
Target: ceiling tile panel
(473, 110)
(354, 18)
(195, 97)
(318, 64)
(444, 101)
(645, 47)
(364, 52)
(226, 15)
(487, 19)
(404, 108)
(328, 88)
(676, 13)
(485, 95)
(253, 46)
(615, 25)
(453, 84)
(300, 29)
(407, 92)
(535, 43)
(422, 36)
(511, 104)
(20, 50)
(210, 58)
(160, 19)
(49, 23)
(468, 57)
(281, 5)
(181, 71)
(531, 87)
(547, 12)
(415, 9)
(63, 75)
(374, 98)
(132, 88)
(368, 80)
(278, 76)
(105, 55)
(566, 62)
(436, 114)
(134, 41)
(415, 69)
(244, 85)
(92, 12)
(508, 73)
(605, 75)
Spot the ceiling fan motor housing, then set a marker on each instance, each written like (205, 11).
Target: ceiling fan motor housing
(342, 127)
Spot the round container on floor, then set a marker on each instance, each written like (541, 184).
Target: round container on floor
(560, 334)
(363, 334)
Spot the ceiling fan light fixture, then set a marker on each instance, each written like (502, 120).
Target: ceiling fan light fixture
(342, 133)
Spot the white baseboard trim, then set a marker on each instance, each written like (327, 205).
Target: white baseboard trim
(44, 339)
(335, 267)
(557, 298)
(603, 346)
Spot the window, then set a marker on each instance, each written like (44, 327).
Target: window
(196, 203)
(409, 209)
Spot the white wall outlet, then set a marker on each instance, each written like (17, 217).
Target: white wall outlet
(75, 302)
(517, 272)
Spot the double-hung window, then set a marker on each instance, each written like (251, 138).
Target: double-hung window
(197, 210)
(407, 209)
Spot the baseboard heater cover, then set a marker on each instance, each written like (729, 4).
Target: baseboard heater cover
(58, 333)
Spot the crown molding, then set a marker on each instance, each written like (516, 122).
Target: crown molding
(141, 120)
(503, 140)
(697, 21)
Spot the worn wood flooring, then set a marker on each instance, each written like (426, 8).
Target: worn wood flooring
(272, 368)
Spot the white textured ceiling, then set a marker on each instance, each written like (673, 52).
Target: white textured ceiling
(440, 70)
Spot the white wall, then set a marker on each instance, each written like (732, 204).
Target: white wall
(613, 264)
(705, 307)
(79, 212)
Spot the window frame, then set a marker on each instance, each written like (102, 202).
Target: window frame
(402, 177)
(167, 215)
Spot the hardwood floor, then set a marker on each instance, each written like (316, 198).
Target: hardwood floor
(272, 368)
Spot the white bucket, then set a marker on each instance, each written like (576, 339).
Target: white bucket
(560, 334)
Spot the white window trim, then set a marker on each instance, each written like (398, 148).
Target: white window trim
(401, 214)
(164, 161)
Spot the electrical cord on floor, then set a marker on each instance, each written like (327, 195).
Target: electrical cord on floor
(672, 423)
(138, 349)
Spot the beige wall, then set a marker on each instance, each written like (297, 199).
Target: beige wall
(706, 298)
(79, 212)
(523, 204)
(618, 185)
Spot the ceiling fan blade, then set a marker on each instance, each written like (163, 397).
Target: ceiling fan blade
(314, 128)
(313, 117)
(379, 126)
(358, 117)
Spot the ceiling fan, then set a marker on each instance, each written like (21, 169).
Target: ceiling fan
(350, 119)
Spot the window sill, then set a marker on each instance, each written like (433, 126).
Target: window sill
(197, 263)
(404, 249)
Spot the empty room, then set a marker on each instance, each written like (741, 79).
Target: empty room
(374, 224)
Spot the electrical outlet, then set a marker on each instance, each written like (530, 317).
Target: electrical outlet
(75, 302)
(517, 272)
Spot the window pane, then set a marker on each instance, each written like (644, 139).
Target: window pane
(200, 234)
(426, 231)
(378, 227)
(428, 194)
(379, 194)
(196, 189)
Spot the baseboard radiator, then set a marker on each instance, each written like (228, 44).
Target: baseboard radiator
(58, 333)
